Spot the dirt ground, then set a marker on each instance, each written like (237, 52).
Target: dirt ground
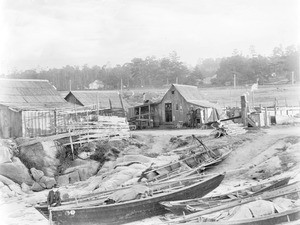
(271, 152)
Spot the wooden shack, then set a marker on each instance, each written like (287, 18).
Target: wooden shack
(144, 115)
(175, 108)
(28, 107)
(106, 102)
(176, 105)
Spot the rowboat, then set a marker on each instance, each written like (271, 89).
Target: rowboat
(97, 212)
(193, 205)
(279, 218)
(222, 214)
(194, 163)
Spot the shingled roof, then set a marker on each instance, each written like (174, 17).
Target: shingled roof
(31, 94)
(89, 98)
(192, 95)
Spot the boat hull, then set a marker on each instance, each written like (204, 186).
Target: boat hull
(133, 210)
(279, 218)
(180, 208)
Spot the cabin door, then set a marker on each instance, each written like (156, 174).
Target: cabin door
(168, 112)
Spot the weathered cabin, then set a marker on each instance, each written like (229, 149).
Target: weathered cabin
(174, 109)
(106, 102)
(176, 105)
(28, 108)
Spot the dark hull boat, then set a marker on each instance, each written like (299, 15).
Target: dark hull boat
(96, 212)
(192, 205)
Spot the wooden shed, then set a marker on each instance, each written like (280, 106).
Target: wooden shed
(175, 106)
(107, 102)
(28, 107)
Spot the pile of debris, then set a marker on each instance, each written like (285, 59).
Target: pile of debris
(234, 128)
(227, 128)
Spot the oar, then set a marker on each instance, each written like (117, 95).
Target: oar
(204, 146)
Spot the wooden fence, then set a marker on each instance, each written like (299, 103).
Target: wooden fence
(45, 123)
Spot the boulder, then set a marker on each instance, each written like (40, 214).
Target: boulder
(16, 188)
(63, 180)
(84, 155)
(16, 171)
(74, 177)
(48, 182)
(5, 180)
(85, 168)
(41, 156)
(36, 174)
(37, 187)
(6, 192)
(25, 188)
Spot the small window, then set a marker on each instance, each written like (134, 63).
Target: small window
(177, 107)
(173, 92)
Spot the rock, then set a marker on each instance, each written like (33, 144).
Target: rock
(49, 182)
(37, 187)
(42, 156)
(16, 171)
(84, 155)
(16, 188)
(85, 168)
(5, 154)
(74, 177)
(37, 174)
(1, 184)
(7, 192)
(25, 188)
(83, 174)
(63, 180)
(5, 180)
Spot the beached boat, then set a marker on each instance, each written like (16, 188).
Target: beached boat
(193, 205)
(235, 212)
(196, 162)
(286, 217)
(97, 212)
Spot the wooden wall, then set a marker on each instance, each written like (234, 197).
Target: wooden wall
(178, 113)
(10, 123)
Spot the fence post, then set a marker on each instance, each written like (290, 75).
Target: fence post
(244, 107)
(55, 122)
(275, 107)
(266, 117)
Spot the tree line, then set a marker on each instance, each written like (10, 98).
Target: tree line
(158, 72)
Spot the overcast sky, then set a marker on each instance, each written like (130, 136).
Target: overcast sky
(54, 33)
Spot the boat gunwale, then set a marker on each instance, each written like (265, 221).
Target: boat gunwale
(245, 221)
(120, 204)
(212, 198)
